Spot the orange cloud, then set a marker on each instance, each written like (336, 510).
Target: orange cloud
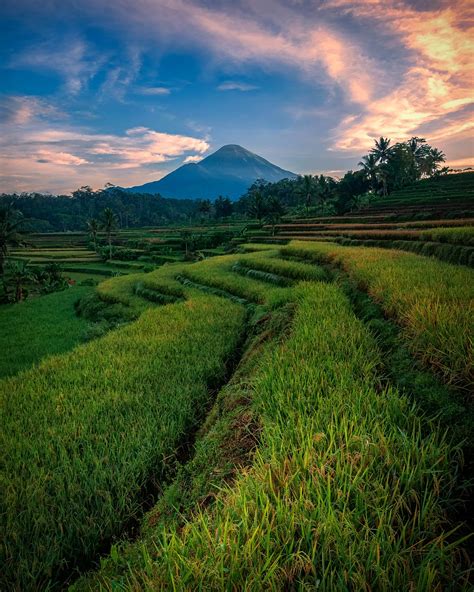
(435, 90)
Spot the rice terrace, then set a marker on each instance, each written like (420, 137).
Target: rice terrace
(217, 374)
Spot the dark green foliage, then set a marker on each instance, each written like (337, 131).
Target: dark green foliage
(48, 213)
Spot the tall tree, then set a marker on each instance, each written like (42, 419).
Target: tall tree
(109, 224)
(204, 207)
(93, 228)
(10, 222)
(307, 189)
(257, 205)
(275, 211)
(369, 165)
(432, 161)
(382, 150)
(223, 207)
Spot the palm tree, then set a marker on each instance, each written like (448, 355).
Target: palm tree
(204, 207)
(93, 229)
(186, 238)
(257, 207)
(418, 149)
(382, 176)
(19, 272)
(325, 188)
(275, 210)
(10, 221)
(382, 150)
(435, 158)
(109, 224)
(369, 165)
(307, 190)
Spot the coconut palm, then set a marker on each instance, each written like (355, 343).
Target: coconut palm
(10, 221)
(382, 176)
(275, 211)
(307, 189)
(109, 224)
(369, 165)
(257, 206)
(382, 150)
(93, 228)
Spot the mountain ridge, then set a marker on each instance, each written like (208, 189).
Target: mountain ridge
(228, 171)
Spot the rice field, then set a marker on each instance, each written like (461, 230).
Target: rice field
(241, 417)
(432, 300)
(35, 329)
(344, 485)
(84, 432)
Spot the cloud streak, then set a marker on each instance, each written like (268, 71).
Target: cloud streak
(435, 91)
(232, 85)
(60, 158)
(73, 60)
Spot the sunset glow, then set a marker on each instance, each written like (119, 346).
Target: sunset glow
(108, 94)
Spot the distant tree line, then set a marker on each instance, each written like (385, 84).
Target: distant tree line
(387, 167)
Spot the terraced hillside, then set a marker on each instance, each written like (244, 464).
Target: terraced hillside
(280, 418)
(434, 218)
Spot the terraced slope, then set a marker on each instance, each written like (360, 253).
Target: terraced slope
(341, 490)
(313, 470)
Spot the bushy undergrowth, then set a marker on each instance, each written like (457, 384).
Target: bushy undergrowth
(347, 491)
(82, 433)
(432, 300)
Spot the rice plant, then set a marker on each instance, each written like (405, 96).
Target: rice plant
(432, 300)
(346, 492)
(82, 433)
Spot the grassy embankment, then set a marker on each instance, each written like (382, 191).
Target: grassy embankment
(348, 488)
(84, 432)
(349, 485)
(432, 300)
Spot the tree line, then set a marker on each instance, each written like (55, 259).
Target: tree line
(385, 168)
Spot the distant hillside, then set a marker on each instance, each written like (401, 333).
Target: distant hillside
(230, 171)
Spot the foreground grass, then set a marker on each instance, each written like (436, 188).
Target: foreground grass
(40, 327)
(345, 493)
(83, 432)
(432, 300)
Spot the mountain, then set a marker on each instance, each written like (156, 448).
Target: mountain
(230, 171)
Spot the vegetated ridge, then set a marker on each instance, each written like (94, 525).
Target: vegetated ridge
(229, 171)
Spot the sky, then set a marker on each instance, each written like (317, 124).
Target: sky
(126, 91)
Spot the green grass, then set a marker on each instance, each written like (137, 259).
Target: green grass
(83, 433)
(463, 235)
(217, 272)
(347, 491)
(40, 327)
(269, 262)
(432, 300)
(313, 470)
